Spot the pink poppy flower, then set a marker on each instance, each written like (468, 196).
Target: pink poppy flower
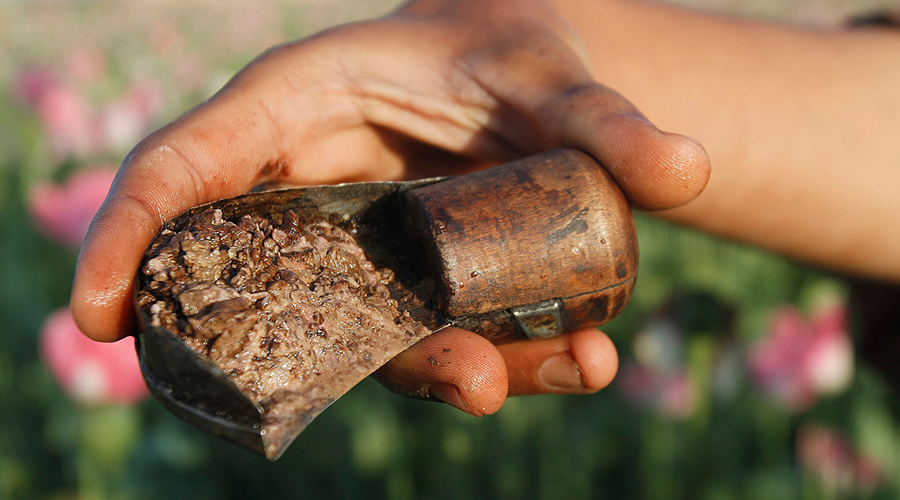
(830, 362)
(64, 212)
(32, 84)
(123, 122)
(798, 360)
(90, 372)
(67, 120)
(827, 454)
(72, 125)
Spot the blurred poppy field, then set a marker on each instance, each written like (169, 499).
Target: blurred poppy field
(738, 375)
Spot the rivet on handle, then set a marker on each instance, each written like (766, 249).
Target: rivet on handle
(541, 320)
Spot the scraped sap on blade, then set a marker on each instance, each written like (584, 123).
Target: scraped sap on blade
(294, 313)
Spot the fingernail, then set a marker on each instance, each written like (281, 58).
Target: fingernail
(561, 373)
(449, 393)
(684, 136)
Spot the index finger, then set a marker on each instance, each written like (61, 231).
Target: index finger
(187, 163)
(257, 128)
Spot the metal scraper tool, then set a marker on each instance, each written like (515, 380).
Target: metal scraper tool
(529, 249)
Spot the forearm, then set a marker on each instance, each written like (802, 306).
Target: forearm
(803, 126)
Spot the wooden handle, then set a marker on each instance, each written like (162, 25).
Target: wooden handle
(538, 246)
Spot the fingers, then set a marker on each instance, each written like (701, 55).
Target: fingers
(581, 362)
(191, 161)
(454, 366)
(220, 149)
(656, 170)
(544, 82)
(468, 372)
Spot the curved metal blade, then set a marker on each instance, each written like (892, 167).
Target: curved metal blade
(195, 390)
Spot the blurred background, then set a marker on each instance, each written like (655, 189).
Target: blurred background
(738, 376)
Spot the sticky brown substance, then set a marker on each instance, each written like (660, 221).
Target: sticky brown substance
(294, 313)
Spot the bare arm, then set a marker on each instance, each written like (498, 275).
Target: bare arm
(802, 125)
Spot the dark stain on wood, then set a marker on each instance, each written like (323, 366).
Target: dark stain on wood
(621, 269)
(576, 226)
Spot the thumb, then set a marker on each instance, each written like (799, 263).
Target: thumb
(656, 170)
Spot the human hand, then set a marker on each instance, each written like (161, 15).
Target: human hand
(438, 87)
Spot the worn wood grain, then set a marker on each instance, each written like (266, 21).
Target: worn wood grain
(550, 226)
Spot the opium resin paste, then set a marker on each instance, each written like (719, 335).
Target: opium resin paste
(293, 312)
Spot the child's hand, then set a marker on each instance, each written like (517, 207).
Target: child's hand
(438, 87)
